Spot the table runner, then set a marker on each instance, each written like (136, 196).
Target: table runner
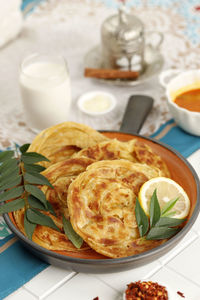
(18, 265)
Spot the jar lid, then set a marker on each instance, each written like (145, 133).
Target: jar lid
(122, 27)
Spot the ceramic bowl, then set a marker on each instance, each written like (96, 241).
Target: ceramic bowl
(181, 171)
(184, 81)
(92, 98)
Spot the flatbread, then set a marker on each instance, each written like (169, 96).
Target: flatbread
(59, 142)
(60, 175)
(101, 203)
(132, 150)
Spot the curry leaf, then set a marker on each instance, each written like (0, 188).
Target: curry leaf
(38, 217)
(36, 178)
(24, 148)
(157, 233)
(13, 193)
(36, 192)
(169, 222)
(141, 218)
(10, 164)
(8, 174)
(35, 203)
(12, 205)
(32, 157)
(12, 182)
(5, 155)
(154, 209)
(33, 168)
(76, 240)
(29, 227)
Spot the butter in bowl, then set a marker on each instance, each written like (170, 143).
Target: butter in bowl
(96, 103)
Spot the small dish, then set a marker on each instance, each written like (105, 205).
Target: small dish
(178, 84)
(153, 64)
(96, 103)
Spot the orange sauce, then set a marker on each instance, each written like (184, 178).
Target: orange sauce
(189, 100)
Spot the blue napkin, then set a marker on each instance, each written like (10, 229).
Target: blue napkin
(18, 265)
(174, 136)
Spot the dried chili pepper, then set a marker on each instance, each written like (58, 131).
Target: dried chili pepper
(181, 294)
(146, 290)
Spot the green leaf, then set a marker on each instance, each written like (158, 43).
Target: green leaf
(76, 240)
(29, 227)
(36, 192)
(12, 182)
(169, 214)
(12, 205)
(154, 209)
(9, 164)
(34, 168)
(24, 148)
(13, 193)
(50, 208)
(35, 203)
(32, 157)
(158, 233)
(37, 217)
(141, 218)
(168, 206)
(36, 178)
(5, 155)
(8, 174)
(169, 222)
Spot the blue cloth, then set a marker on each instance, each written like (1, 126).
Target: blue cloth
(180, 140)
(18, 265)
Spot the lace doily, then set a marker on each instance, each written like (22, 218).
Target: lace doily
(71, 28)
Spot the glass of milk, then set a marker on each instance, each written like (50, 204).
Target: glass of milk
(45, 90)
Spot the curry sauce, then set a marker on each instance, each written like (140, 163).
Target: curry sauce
(189, 100)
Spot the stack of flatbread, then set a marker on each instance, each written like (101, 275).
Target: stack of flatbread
(96, 181)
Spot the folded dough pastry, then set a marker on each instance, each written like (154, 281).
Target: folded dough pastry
(132, 150)
(59, 142)
(101, 203)
(60, 175)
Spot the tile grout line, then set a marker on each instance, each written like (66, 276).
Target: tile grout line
(182, 275)
(30, 292)
(151, 273)
(54, 288)
(180, 250)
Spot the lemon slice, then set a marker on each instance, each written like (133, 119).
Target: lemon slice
(167, 189)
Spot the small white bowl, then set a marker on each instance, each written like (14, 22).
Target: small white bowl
(184, 81)
(97, 107)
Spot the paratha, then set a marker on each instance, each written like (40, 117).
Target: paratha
(60, 175)
(132, 150)
(59, 142)
(101, 203)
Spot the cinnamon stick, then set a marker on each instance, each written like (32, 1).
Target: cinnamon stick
(110, 74)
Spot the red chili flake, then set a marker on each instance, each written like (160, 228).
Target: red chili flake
(146, 290)
(197, 8)
(180, 294)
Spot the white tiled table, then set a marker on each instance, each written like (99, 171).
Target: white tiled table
(178, 269)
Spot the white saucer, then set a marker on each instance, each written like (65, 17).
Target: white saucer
(153, 65)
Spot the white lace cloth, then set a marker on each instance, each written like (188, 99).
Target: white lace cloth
(71, 28)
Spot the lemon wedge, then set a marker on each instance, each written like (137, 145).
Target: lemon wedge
(167, 189)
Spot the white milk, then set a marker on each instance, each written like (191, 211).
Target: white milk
(45, 90)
